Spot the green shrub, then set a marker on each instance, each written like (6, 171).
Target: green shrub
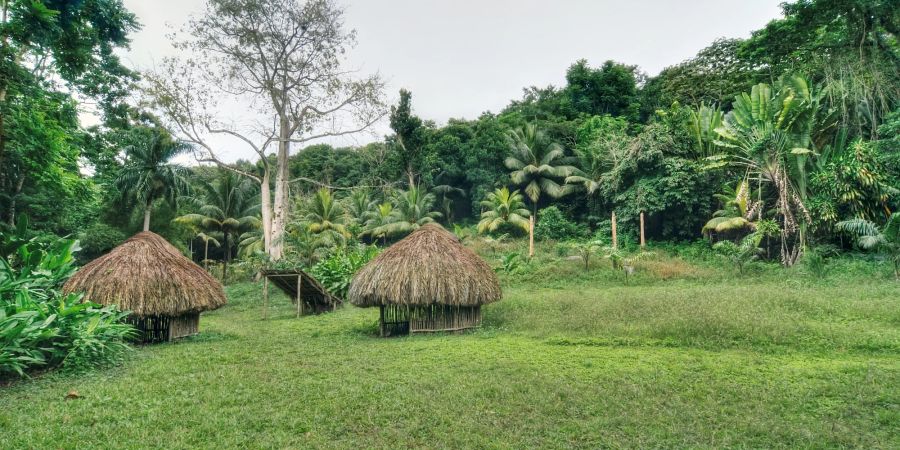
(335, 271)
(99, 239)
(512, 263)
(40, 327)
(552, 224)
(62, 332)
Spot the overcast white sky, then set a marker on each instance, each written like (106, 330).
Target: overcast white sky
(463, 57)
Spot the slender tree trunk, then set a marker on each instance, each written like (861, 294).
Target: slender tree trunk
(227, 257)
(531, 223)
(12, 200)
(282, 193)
(147, 216)
(266, 209)
(615, 238)
(206, 255)
(642, 230)
(2, 134)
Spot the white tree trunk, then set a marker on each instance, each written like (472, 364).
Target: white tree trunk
(265, 203)
(147, 217)
(282, 194)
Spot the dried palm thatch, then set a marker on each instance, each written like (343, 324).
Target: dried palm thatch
(428, 267)
(149, 277)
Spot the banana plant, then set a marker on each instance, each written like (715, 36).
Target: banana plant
(772, 132)
(702, 124)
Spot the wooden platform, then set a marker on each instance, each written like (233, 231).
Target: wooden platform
(314, 298)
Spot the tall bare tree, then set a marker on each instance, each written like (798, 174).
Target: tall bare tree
(286, 58)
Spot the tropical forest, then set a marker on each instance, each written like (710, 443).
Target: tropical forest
(254, 242)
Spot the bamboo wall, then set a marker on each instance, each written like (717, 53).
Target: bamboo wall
(400, 319)
(153, 329)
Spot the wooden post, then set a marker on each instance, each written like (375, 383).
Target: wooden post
(299, 297)
(265, 298)
(531, 237)
(642, 230)
(615, 242)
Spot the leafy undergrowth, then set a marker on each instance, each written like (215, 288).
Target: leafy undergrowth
(707, 362)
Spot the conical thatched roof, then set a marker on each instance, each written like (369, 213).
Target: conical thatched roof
(149, 277)
(429, 266)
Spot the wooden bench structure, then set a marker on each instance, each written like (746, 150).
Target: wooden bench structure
(304, 291)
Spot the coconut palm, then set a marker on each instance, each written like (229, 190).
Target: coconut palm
(382, 215)
(538, 164)
(326, 217)
(305, 244)
(148, 175)
(225, 206)
(412, 209)
(358, 205)
(869, 236)
(207, 239)
(251, 243)
(503, 207)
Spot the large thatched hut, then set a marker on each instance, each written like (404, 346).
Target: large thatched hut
(426, 282)
(164, 290)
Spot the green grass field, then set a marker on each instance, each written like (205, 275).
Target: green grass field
(681, 357)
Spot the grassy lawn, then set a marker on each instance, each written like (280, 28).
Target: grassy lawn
(697, 360)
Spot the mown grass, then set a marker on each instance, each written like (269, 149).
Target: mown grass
(568, 359)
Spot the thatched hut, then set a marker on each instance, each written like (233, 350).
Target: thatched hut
(426, 282)
(164, 290)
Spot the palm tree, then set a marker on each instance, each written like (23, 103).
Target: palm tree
(148, 175)
(304, 242)
(870, 237)
(771, 133)
(382, 215)
(326, 217)
(227, 207)
(358, 205)
(538, 164)
(412, 209)
(251, 243)
(206, 240)
(738, 208)
(503, 207)
(585, 250)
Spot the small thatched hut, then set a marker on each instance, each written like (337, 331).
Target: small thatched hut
(426, 282)
(164, 290)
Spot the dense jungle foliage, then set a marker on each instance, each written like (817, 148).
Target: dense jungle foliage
(783, 146)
